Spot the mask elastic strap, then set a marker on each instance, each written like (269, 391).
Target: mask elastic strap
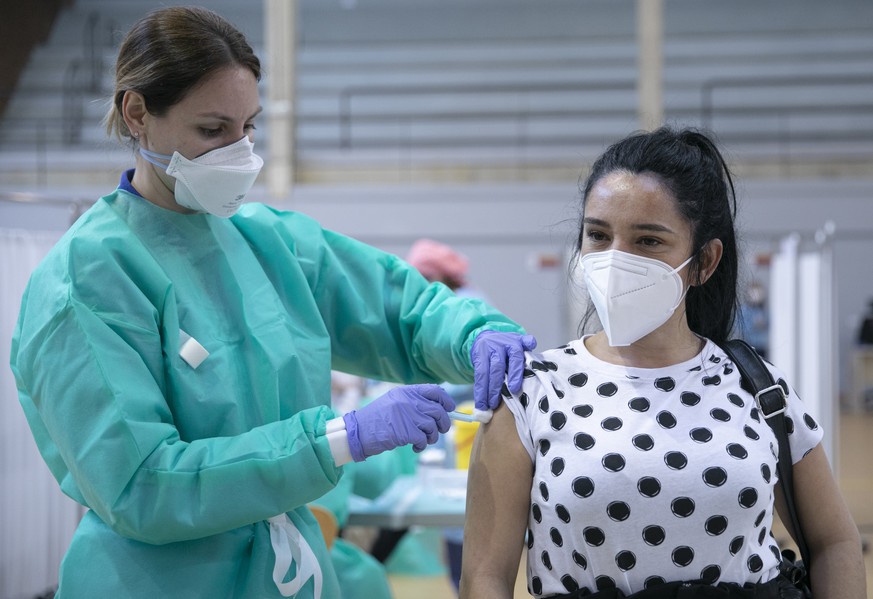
(685, 288)
(162, 160)
(680, 267)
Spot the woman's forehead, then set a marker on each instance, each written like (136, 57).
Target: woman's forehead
(231, 90)
(632, 196)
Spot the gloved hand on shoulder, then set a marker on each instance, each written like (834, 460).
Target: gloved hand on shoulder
(497, 356)
(413, 414)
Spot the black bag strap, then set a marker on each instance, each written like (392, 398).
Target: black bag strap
(771, 400)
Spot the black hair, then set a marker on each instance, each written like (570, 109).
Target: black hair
(691, 167)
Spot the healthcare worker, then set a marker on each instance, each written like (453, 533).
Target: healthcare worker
(173, 351)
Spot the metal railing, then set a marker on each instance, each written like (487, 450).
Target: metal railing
(782, 128)
(73, 103)
(709, 112)
(84, 76)
(74, 204)
(521, 116)
(778, 114)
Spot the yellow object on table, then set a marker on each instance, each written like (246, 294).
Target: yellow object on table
(465, 432)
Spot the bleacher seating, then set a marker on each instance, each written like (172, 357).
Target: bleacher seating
(391, 84)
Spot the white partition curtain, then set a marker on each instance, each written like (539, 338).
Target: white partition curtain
(36, 520)
(803, 341)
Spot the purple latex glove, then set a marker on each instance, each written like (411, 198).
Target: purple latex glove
(413, 414)
(497, 356)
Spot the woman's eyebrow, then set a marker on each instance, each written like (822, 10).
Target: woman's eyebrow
(653, 227)
(595, 221)
(640, 226)
(225, 118)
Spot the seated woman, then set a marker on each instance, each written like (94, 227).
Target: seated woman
(632, 458)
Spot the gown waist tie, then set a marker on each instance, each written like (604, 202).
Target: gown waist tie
(290, 547)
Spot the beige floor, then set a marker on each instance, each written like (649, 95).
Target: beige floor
(855, 473)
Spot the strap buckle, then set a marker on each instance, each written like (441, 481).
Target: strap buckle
(772, 409)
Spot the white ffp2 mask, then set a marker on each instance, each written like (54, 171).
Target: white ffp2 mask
(633, 295)
(216, 182)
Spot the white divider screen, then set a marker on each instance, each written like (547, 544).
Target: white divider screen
(783, 307)
(802, 331)
(37, 521)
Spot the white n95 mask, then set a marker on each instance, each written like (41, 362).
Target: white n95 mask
(633, 295)
(216, 182)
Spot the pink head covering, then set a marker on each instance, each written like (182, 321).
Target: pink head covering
(438, 262)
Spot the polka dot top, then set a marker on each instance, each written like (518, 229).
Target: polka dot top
(643, 476)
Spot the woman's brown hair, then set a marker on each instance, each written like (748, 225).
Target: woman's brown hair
(168, 52)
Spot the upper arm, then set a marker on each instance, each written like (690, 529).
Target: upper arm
(837, 568)
(498, 501)
(821, 509)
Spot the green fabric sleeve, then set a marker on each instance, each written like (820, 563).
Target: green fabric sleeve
(386, 320)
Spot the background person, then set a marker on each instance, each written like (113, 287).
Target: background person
(418, 552)
(754, 318)
(865, 331)
(440, 262)
(632, 458)
(173, 351)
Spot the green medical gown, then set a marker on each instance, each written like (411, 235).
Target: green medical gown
(179, 466)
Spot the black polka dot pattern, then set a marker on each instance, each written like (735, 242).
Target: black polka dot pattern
(647, 476)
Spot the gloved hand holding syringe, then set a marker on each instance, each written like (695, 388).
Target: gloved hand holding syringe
(417, 414)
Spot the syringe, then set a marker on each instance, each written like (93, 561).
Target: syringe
(478, 415)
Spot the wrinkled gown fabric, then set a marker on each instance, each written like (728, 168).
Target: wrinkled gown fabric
(181, 467)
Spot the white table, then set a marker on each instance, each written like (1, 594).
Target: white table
(433, 497)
